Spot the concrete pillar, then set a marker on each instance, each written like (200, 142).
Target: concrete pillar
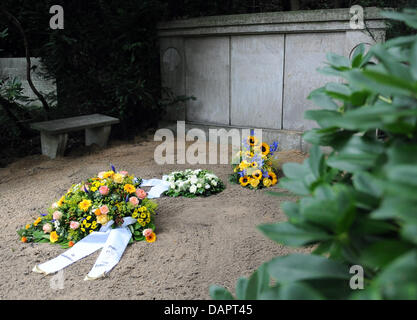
(53, 145)
(98, 135)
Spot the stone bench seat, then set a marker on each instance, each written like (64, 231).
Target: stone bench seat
(54, 133)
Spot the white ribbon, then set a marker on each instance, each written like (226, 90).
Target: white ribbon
(113, 242)
(158, 187)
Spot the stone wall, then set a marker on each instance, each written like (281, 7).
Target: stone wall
(16, 68)
(256, 70)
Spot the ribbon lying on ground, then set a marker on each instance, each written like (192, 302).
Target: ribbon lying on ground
(158, 187)
(113, 242)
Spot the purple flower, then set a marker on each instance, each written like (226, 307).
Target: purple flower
(113, 168)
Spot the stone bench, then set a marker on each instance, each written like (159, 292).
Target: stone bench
(54, 133)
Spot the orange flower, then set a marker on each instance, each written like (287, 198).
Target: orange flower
(27, 226)
(24, 239)
(129, 188)
(97, 212)
(151, 238)
(70, 244)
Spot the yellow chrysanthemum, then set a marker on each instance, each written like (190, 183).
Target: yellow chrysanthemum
(244, 181)
(267, 182)
(84, 205)
(264, 148)
(129, 188)
(254, 182)
(257, 174)
(151, 238)
(53, 237)
(252, 141)
(108, 174)
(118, 178)
(243, 165)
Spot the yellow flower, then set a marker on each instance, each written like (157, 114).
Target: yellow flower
(118, 178)
(37, 221)
(257, 174)
(243, 165)
(265, 148)
(61, 201)
(102, 219)
(273, 177)
(53, 237)
(27, 226)
(151, 238)
(252, 141)
(254, 183)
(108, 174)
(244, 181)
(254, 164)
(84, 205)
(94, 189)
(267, 182)
(134, 215)
(143, 215)
(129, 188)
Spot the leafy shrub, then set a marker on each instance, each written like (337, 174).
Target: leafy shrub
(358, 204)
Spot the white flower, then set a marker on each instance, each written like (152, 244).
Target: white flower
(172, 185)
(207, 186)
(214, 182)
(199, 185)
(193, 179)
(193, 188)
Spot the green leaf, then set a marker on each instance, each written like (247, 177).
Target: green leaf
(220, 293)
(296, 267)
(291, 235)
(294, 170)
(321, 99)
(241, 287)
(296, 186)
(365, 182)
(316, 161)
(399, 279)
(291, 291)
(337, 60)
(409, 232)
(381, 253)
(257, 283)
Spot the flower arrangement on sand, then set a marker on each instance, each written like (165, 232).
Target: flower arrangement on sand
(192, 183)
(254, 164)
(87, 206)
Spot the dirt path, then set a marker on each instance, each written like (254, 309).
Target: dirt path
(200, 241)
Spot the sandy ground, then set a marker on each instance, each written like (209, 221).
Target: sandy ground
(200, 242)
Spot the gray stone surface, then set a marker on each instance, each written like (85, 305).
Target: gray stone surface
(16, 68)
(256, 80)
(172, 74)
(276, 22)
(53, 145)
(207, 78)
(98, 136)
(257, 70)
(74, 123)
(304, 53)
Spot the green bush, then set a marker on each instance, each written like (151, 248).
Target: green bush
(358, 204)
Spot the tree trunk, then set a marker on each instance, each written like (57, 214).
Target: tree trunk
(16, 22)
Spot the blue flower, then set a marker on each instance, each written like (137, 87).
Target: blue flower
(43, 214)
(264, 173)
(273, 147)
(113, 168)
(242, 173)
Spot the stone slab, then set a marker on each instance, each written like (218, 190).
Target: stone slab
(172, 75)
(256, 80)
(74, 123)
(304, 53)
(207, 79)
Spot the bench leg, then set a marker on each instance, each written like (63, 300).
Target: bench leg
(99, 136)
(53, 145)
